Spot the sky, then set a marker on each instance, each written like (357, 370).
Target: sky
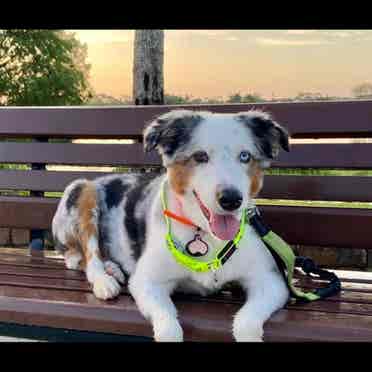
(218, 63)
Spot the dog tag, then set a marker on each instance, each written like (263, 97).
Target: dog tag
(197, 247)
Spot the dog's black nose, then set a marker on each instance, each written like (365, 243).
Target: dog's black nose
(229, 199)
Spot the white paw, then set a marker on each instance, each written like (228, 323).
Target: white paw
(106, 287)
(167, 330)
(113, 269)
(248, 332)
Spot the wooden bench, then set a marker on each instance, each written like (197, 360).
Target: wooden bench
(38, 291)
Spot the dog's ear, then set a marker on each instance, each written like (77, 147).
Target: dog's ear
(170, 131)
(269, 135)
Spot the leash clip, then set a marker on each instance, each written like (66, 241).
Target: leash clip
(250, 212)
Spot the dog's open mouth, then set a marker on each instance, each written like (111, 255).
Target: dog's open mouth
(223, 226)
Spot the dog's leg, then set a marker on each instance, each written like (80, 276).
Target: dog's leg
(154, 302)
(113, 269)
(105, 286)
(73, 259)
(266, 295)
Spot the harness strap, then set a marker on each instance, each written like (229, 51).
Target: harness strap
(191, 263)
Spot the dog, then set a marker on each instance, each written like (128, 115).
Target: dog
(114, 227)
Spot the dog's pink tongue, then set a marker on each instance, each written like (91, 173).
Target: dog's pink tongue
(224, 226)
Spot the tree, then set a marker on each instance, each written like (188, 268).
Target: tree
(363, 90)
(235, 98)
(172, 99)
(148, 79)
(103, 99)
(255, 97)
(248, 98)
(42, 67)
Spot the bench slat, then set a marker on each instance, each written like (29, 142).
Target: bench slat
(68, 304)
(44, 282)
(330, 227)
(21, 270)
(347, 156)
(304, 119)
(25, 271)
(350, 156)
(27, 212)
(349, 188)
(327, 188)
(334, 307)
(36, 180)
(77, 154)
(200, 320)
(289, 325)
(30, 261)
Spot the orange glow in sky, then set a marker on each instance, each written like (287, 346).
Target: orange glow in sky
(217, 63)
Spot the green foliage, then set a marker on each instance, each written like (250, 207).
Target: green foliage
(42, 67)
(310, 96)
(107, 100)
(248, 98)
(171, 99)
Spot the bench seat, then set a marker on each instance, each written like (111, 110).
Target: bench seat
(40, 291)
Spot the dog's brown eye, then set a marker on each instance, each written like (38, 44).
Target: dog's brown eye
(201, 157)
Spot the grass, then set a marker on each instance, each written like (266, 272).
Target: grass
(318, 172)
(314, 203)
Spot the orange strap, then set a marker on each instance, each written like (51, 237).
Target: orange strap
(183, 220)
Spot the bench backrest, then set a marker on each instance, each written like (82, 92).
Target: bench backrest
(305, 225)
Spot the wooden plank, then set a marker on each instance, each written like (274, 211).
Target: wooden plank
(48, 273)
(38, 180)
(275, 187)
(27, 269)
(303, 326)
(16, 276)
(30, 261)
(27, 212)
(304, 119)
(329, 227)
(334, 307)
(200, 321)
(346, 156)
(327, 188)
(28, 281)
(77, 154)
(64, 304)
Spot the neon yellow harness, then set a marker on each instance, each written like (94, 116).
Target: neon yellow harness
(280, 250)
(192, 263)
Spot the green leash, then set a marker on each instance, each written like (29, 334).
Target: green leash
(287, 261)
(280, 250)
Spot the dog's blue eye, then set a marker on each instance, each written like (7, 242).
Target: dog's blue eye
(245, 156)
(201, 157)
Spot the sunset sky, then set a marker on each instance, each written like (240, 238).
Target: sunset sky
(217, 63)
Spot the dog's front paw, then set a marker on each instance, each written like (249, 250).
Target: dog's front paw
(245, 331)
(167, 330)
(106, 287)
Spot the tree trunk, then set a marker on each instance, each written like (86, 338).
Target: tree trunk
(148, 81)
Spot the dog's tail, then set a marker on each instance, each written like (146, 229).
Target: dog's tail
(88, 217)
(75, 224)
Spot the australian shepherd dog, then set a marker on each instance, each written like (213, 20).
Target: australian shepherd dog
(114, 227)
